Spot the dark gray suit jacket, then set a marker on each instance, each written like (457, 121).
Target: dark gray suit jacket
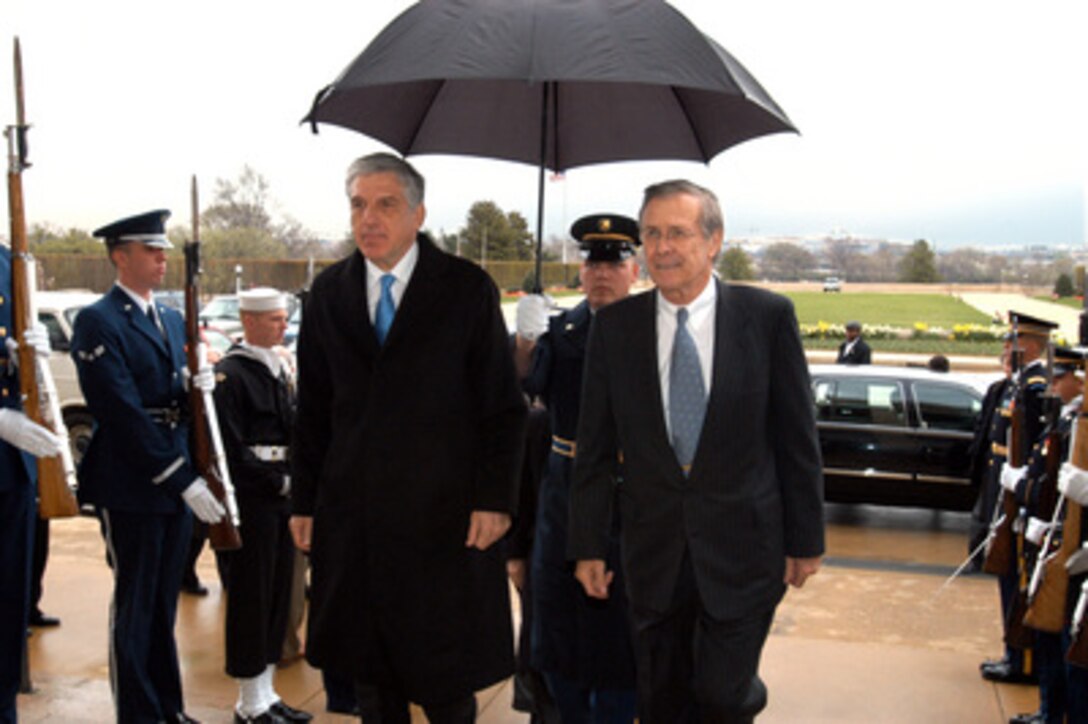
(755, 492)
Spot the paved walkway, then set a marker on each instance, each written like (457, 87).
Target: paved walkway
(1068, 319)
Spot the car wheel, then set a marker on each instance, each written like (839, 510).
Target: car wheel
(80, 426)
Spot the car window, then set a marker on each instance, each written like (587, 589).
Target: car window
(865, 401)
(57, 338)
(945, 407)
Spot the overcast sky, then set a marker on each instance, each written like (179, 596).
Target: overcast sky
(959, 121)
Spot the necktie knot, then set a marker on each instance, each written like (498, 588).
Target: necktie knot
(383, 317)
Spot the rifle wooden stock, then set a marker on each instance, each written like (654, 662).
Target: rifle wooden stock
(1046, 610)
(56, 475)
(1078, 648)
(224, 534)
(1000, 553)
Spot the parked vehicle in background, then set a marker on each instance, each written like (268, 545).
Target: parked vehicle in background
(832, 284)
(221, 313)
(57, 311)
(896, 435)
(293, 324)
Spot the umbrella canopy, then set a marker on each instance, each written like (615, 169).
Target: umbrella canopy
(559, 83)
(556, 83)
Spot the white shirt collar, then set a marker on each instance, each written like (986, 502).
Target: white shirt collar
(141, 302)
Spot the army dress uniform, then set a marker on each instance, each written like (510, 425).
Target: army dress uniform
(1027, 388)
(584, 641)
(255, 403)
(18, 479)
(134, 471)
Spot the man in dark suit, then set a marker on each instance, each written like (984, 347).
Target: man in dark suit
(129, 353)
(854, 350)
(20, 440)
(405, 460)
(703, 389)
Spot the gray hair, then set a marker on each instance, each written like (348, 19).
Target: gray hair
(710, 211)
(409, 178)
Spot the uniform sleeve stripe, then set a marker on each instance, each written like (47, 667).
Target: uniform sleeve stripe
(169, 471)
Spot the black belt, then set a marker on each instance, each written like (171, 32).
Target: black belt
(165, 415)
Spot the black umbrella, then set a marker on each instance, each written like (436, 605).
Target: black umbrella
(556, 83)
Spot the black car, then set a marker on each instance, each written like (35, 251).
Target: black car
(896, 435)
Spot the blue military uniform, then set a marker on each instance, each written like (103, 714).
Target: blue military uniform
(133, 472)
(584, 642)
(18, 476)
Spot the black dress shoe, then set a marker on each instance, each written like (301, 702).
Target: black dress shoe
(268, 717)
(37, 618)
(1003, 672)
(288, 713)
(1035, 717)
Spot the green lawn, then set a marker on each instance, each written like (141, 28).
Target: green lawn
(1073, 302)
(896, 310)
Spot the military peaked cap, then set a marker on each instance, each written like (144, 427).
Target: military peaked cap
(606, 237)
(1026, 324)
(149, 229)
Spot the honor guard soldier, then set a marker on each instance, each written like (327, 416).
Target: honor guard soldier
(255, 402)
(581, 645)
(1030, 337)
(20, 440)
(129, 353)
(1062, 687)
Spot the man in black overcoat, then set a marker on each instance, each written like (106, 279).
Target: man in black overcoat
(405, 459)
(854, 350)
(704, 390)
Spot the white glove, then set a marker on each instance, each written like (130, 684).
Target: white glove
(1073, 483)
(25, 434)
(203, 381)
(285, 489)
(1010, 476)
(532, 317)
(35, 337)
(202, 502)
(1036, 530)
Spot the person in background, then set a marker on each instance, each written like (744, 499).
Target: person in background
(129, 352)
(405, 460)
(255, 404)
(854, 350)
(702, 387)
(581, 644)
(21, 440)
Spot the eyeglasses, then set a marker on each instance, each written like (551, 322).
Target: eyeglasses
(653, 235)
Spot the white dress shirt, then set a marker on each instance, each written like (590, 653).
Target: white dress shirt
(402, 271)
(701, 315)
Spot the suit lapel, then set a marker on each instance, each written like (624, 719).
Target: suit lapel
(138, 320)
(730, 345)
(350, 308)
(646, 381)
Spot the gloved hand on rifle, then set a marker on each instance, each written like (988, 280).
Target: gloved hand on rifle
(203, 381)
(532, 316)
(1073, 483)
(22, 432)
(1010, 476)
(203, 504)
(36, 337)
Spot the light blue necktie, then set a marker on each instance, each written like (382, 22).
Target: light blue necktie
(383, 318)
(687, 395)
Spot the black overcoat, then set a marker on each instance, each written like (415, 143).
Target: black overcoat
(394, 446)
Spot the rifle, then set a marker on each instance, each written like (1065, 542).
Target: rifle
(1078, 649)
(1050, 579)
(207, 445)
(1000, 549)
(57, 474)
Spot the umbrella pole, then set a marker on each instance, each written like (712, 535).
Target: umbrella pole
(538, 285)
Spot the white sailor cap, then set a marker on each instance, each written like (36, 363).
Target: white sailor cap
(262, 299)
